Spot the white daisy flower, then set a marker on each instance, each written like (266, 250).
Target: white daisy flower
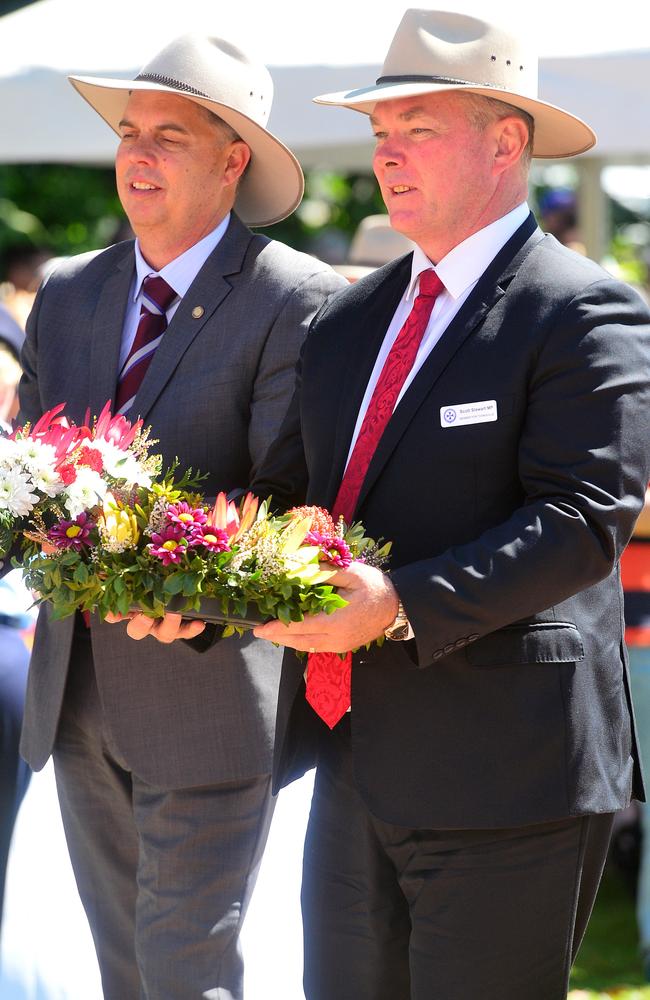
(8, 451)
(15, 492)
(39, 458)
(49, 482)
(121, 464)
(85, 492)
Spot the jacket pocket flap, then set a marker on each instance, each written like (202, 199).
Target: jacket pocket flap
(539, 642)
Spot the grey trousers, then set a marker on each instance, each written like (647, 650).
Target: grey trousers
(165, 877)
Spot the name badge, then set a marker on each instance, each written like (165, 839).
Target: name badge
(461, 414)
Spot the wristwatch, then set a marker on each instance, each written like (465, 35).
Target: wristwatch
(399, 629)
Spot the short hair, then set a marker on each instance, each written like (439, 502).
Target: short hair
(226, 131)
(484, 110)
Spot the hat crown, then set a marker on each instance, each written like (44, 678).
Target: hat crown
(215, 69)
(460, 49)
(375, 242)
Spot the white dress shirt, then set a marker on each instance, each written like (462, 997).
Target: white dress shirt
(459, 272)
(179, 274)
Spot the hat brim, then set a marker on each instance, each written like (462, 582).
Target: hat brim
(273, 185)
(557, 133)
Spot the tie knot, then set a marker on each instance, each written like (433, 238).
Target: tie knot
(156, 291)
(430, 284)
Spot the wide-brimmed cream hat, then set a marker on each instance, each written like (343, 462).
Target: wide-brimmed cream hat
(435, 50)
(374, 243)
(219, 76)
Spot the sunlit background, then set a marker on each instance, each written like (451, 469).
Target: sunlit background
(57, 197)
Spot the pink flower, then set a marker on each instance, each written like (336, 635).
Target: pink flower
(168, 545)
(213, 539)
(72, 534)
(116, 429)
(53, 429)
(188, 517)
(226, 515)
(333, 550)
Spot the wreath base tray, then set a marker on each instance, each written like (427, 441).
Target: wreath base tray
(211, 611)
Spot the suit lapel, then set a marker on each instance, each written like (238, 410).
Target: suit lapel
(207, 292)
(106, 335)
(361, 358)
(489, 290)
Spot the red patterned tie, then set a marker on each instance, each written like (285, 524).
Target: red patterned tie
(157, 297)
(329, 676)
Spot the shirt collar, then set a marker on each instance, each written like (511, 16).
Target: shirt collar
(180, 272)
(465, 263)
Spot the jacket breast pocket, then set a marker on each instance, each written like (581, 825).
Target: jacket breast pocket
(538, 642)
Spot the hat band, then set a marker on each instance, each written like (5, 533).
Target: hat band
(168, 81)
(437, 79)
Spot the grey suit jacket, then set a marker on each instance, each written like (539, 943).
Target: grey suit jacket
(215, 394)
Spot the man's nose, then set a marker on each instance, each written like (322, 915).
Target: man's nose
(388, 153)
(141, 150)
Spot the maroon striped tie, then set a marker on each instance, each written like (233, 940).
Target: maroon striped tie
(157, 297)
(329, 676)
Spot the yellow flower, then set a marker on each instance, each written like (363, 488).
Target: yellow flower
(118, 526)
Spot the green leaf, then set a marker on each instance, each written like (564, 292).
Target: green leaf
(174, 583)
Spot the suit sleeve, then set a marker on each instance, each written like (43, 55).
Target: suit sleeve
(584, 462)
(276, 375)
(28, 392)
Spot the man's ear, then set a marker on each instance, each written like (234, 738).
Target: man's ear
(238, 159)
(511, 139)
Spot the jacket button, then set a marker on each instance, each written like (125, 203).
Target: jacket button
(460, 643)
(472, 638)
(438, 653)
(449, 648)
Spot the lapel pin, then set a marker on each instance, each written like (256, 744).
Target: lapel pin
(197, 312)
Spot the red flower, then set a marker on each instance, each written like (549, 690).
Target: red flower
(68, 473)
(92, 458)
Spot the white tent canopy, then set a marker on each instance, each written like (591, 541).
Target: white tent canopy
(309, 49)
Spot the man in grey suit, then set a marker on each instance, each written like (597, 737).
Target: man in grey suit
(163, 756)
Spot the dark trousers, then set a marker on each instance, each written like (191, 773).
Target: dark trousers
(165, 876)
(392, 913)
(14, 772)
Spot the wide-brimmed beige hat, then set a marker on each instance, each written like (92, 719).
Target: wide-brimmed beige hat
(219, 76)
(374, 243)
(436, 50)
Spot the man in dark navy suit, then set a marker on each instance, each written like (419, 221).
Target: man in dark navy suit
(483, 402)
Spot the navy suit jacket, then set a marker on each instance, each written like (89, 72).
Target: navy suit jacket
(512, 705)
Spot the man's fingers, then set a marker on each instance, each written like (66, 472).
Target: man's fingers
(167, 629)
(191, 629)
(114, 616)
(140, 626)
(296, 636)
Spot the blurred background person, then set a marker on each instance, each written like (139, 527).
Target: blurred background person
(16, 627)
(558, 215)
